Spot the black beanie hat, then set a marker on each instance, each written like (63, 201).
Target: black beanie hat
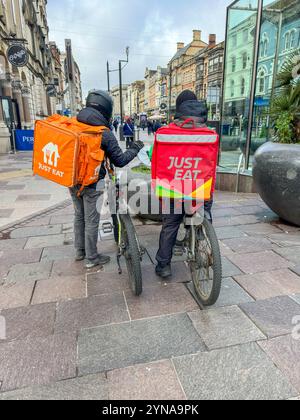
(186, 95)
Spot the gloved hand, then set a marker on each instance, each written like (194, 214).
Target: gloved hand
(138, 145)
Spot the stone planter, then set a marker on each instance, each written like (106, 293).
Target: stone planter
(276, 172)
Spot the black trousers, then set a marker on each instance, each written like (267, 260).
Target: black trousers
(129, 141)
(168, 236)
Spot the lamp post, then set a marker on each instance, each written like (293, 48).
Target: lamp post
(120, 86)
(121, 90)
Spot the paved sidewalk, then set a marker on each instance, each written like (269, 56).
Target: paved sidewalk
(77, 335)
(21, 193)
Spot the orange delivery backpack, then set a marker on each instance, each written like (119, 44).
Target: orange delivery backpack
(184, 162)
(68, 152)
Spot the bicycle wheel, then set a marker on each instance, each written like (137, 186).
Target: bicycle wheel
(206, 269)
(132, 254)
(115, 228)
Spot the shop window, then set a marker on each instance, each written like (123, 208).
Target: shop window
(233, 64)
(245, 60)
(243, 87)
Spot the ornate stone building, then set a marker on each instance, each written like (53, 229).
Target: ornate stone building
(30, 92)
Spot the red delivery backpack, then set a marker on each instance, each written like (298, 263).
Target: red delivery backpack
(184, 162)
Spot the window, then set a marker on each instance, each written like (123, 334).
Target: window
(243, 86)
(234, 41)
(233, 64)
(261, 81)
(245, 60)
(245, 35)
(13, 11)
(232, 86)
(287, 41)
(293, 39)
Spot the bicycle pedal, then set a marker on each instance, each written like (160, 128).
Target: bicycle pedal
(107, 228)
(178, 251)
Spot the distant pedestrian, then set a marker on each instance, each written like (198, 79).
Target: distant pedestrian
(150, 128)
(156, 126)
(116, 125)
(128, 131)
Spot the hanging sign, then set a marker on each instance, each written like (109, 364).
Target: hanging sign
(17, 55)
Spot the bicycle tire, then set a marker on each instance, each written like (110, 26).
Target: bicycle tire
(132, 254)
(216, 266)
(115, 228)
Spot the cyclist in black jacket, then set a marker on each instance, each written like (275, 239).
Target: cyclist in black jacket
(98, 112)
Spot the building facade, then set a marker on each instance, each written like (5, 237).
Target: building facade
(182, 67)
(115, 93)
(260, 38)
(135, 91)
(32, 91)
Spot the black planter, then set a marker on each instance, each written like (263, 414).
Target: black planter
(276, 172)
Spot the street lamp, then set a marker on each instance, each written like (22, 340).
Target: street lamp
(120, 86)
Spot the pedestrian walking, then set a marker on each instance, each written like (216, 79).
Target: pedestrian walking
(128, 131)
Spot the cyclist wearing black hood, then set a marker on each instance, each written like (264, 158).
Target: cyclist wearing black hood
(98, 112)
(187, 107)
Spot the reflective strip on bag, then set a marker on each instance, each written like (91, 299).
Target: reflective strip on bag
(169, 138)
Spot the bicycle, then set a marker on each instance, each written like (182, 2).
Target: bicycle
(126, 239)
(202, 248)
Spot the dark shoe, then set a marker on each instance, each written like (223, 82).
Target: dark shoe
(80, 255)
(164, 272)
(100, 260)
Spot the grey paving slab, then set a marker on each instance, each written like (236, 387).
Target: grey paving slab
(5, 213)
(37, 361)
(59, 289)
(106, 283)
(259, 262)
(16, 295)
(55, 253)
(231, 294)
(14, 187)
(225, 212)
(237, 373)
(87, 388)
(285, 353)
(151, 382)
(273, 316)
(92, 312)
(45, 241)
(40, 221)
(69, 267)
(29, 272)
(296, 298)
(270, 284)
(12, 244)
(118, 346)
(291, 254)
(63, 219)
(23, 256)
(286, 240)
(236, 220)
(247, 210)
(29, 321)
(296, 269)
(229, 269)
(163, 299)
(260, 229)
(34, 197)
(248, 244)
(224, 327)
(27, 232)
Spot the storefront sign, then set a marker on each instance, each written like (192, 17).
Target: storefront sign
(17, 55)
(24, 140)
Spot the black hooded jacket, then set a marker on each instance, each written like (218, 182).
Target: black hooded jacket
(109, 143)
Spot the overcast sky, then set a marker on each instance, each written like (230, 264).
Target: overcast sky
(101, 30)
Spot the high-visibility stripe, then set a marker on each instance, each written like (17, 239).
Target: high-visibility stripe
(169, 138)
